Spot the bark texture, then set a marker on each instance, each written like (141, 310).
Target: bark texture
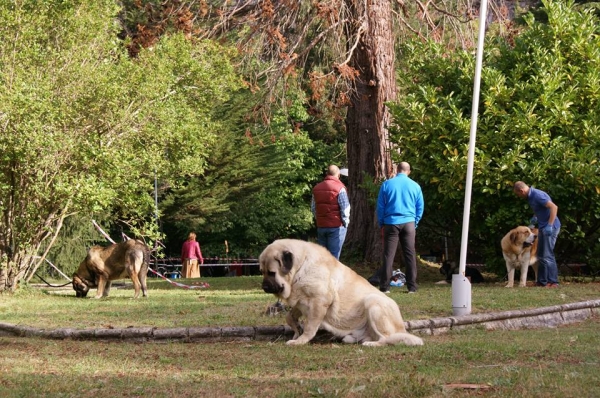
(367, 123)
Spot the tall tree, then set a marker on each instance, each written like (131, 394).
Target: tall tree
(368, 117)
(341, 52)
(343, 48)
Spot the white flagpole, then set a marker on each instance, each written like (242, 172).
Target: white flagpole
(461, 287)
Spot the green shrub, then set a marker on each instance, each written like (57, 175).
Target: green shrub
(539, 121)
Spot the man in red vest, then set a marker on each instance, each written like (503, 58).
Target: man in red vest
(331, 208)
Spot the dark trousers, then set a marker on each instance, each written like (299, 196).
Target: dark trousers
(405, 234)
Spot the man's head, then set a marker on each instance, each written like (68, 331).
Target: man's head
(521, 189)
(404, 168)
(333, 171)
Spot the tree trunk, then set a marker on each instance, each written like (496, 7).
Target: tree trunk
(8, 275)
(17, 265)
(367, 120)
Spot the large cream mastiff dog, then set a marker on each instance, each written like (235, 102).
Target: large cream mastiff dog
(102, 265)
(519, 248)
(329, 295)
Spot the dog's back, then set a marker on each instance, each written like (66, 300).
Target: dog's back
(448, 269)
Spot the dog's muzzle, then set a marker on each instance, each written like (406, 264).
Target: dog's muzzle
(81, 289)
(79, 292)
(271, 286)
(529, 241)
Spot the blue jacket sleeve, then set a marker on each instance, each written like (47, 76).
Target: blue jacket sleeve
(419, 207)
(381, 206)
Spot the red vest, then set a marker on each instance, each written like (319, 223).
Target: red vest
(326, 202)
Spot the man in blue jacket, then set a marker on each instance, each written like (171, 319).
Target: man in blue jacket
(400, 207)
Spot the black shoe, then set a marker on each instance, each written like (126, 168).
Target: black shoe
(374, 280)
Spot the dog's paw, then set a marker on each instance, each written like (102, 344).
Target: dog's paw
(414, 341)
(295, 342)
(299, 341)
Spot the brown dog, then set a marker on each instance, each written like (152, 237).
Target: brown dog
(329, 295)
(519, 248)
(102, 265)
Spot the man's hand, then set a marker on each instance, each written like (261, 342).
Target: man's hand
(548, 229)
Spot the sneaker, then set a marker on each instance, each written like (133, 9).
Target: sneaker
(537, 284)
(385, 291)
(550, 285)
(411, 292)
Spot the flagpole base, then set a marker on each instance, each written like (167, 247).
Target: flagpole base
(461, 295)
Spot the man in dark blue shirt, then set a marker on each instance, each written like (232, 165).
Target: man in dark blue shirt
(549, 226)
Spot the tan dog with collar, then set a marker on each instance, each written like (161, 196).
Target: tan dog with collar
(329, 296)
(519, 248)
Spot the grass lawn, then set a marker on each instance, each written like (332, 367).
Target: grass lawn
(559, 362)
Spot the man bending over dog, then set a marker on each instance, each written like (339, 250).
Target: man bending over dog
(546, 213)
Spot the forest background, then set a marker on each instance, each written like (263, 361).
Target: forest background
(156, 118)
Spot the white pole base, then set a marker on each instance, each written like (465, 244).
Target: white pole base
(461, 295)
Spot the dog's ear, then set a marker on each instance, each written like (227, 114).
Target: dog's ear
(287, 262)
(513, 237)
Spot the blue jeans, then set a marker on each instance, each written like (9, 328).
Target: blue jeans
(332, 239)
(547, 268)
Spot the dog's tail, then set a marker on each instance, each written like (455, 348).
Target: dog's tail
(144, 274)
(146, 263)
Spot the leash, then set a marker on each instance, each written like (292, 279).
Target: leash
(49, 284)
(59, 271)
(201, 285)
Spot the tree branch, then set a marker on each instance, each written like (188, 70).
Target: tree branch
(358, 37)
